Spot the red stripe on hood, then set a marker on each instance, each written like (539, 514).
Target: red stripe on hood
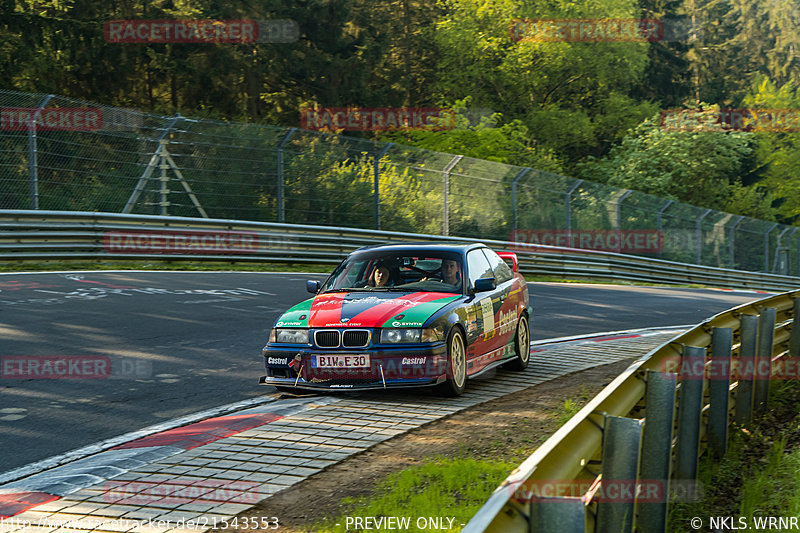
(378, 315)
(326, 309)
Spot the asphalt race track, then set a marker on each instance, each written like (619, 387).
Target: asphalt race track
(153, 346)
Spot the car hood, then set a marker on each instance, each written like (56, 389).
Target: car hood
(366, 309)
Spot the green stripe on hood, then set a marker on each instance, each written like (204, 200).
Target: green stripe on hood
(291, 318)
(416, 316)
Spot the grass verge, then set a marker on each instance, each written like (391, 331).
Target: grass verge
(448, 489)
(31, 266)
(759, 476)
(239, 266)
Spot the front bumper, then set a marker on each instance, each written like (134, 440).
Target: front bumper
(389, 367)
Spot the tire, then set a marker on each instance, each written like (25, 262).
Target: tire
(522, 346)
(456, 365)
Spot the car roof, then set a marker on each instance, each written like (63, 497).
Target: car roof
(458, 247)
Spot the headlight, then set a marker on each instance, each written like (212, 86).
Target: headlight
(289, 336)
(400, 335)
(431, 335)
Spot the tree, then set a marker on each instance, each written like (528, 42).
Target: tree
(702, 168)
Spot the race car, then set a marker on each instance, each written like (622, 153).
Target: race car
(404, 315)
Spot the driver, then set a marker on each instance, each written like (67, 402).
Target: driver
(379, 277)
(450, 273)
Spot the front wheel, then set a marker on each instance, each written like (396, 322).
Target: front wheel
(522, 346)
(456, 365)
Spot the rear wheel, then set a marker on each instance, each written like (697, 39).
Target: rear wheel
(522, 346)
(456, 365)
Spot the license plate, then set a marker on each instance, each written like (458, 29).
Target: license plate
(341, 361)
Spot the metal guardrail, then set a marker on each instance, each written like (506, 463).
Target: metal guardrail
(629, 436)
(32, 235)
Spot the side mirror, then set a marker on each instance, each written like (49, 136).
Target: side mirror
(485, 284)
(312, 286)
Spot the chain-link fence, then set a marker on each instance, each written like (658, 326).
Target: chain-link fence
(58, 153)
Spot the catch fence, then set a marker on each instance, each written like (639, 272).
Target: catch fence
(81, 156)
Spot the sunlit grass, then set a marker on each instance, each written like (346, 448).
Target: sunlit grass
(441, 489)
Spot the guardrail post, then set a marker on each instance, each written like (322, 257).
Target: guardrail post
(719, 390)
(763, 363)
(690, 407)
(794, 338)
(621, 446)
(557, 514)
(657, 448)
(747, 351)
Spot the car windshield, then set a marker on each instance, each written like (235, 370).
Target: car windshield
(393, 271)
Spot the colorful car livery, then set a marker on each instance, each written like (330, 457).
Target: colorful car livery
(404, 315)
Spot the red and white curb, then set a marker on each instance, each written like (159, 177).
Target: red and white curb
(190, 478)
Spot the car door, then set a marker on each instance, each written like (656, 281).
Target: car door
(506, 302)
(480, 351)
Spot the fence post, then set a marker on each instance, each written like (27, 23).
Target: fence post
(731, 237)
(766, 246)
(446, 193)
(763, 363)
(514, 198)
(719, 387)
(699, 236)
(794, 338)
(377, 184)
(747, 352)
(281, 215)
(33, 158)
(657, 448)
(621, 447)
(659, 226)
(568, 207)
(163, 180)
(619, 218)
(778, 255)
(690, 407)
(789, 253)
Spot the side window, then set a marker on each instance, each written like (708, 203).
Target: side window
(478, 267)
(502, 272)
